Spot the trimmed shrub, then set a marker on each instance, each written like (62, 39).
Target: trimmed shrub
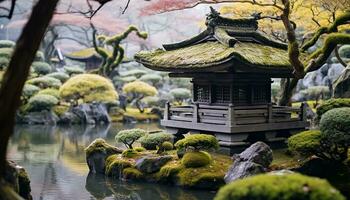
(151, 78)
(139, 87)
(198, 142)
(134, 72)
(277, 187)
(6, 52)
(4, 62)
(39, 56)
(151, 101)
(139, 149)
(344, 51)
(73, 70)
(128, 137)
(29, 90)
(41, 68)
(180, 94)
(151, 141)
(63, 77)
(89, 88)
(196, 159)
(331, 104)
(117, 80)
(167, 146)
(45, 82)
(306, 143)
(129, 153)
(50, 91)
(335, 132)
(7, 44)
(41, 102)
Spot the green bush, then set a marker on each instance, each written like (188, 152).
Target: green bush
(198, 142)
(151, 78)
(151, 141)
(50, 91)
(306, 143)
(139, 149)
(29, 90)
(180, 94)
(335, 132)
(39, 57)
(128, 137)
(88, 88)
(129, 153)
(4, 62)
(196, 159)
(117, 80)
(151, 101)
(6, 53)
(167, 146)
(134, 72)
(7, 44)
(344, 51)
(73, 70)
(63, 77)
(41, 68)
(45, 82)
(277, 187)
(41, 102)
(331, 104)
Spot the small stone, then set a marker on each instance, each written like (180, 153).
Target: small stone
(259, 153)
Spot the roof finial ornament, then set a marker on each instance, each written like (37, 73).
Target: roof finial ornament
(213, 12)
(212, 17)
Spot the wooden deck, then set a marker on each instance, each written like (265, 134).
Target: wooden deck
(234, 119)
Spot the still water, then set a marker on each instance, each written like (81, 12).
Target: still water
(54, 157)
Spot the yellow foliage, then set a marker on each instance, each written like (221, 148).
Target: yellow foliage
(89, 88)
(146, 115)
(140, 87)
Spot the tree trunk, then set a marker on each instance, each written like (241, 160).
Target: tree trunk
(288, 87)
(18, 70)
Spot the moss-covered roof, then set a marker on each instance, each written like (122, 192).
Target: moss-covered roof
(212, 53)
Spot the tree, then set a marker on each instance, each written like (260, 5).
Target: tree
(112, 60)
(297, 48)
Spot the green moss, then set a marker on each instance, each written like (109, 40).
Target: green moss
(306, 143)
(130, 153)
(139, 149)
(276, 187)
(132, 173)
(169, 171)
(331, 104)
(115, 165)
(50, 91)
(152, 141)
(59, 110)
(167, 146)
(207, 54)
(101, 146)
(198, 141)
(196, 159)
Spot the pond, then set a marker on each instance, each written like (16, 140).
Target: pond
(54, 157)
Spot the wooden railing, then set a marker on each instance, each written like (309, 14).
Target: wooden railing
(234, 115)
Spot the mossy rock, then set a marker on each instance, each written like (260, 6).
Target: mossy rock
(198, 141)
(306, 143)
(132, 173)
(101, 146)
(115, 166)
(169, 171)
(130, 153)
(196, 159)
(276, 187)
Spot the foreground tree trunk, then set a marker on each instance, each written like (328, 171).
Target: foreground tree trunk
(18, 70)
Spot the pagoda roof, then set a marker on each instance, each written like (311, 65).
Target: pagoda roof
(226, 45)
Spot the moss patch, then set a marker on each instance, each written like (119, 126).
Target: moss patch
(100, 145)
(115, 164)
(136, 114)
(196, 159)
(132, 173)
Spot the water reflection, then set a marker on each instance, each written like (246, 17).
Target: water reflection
(55, 159)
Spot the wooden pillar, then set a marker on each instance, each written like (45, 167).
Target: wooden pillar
(195, 113)
(269, 112)
(231, 116)
(166, 111)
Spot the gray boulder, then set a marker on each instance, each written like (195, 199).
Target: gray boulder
(42, 117)
(254, 160)
(341, 87)
(150, 164)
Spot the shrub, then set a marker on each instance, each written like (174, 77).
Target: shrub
(129, 153)
(41, 68)
(73, 70)
(45, 82)
(139, 87)
(335, 132)
(180, 94)
(4, 62)
(151, 141)
(196, 159)
(167, 146)
(134, 72)
(6, 52)
(89, 88)
(63, 77)
(331, 104)
(198, 142)
(276, 187)
(29, 90)
(41, 102)
(39, 56)
(129, 136)
(151, 78)
(50, 91)
(151, 101)
(344, 51)
(139, 149)
(306, 143)
(117, 80)
(7, 44)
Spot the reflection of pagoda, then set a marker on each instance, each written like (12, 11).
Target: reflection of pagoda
(231, 64)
